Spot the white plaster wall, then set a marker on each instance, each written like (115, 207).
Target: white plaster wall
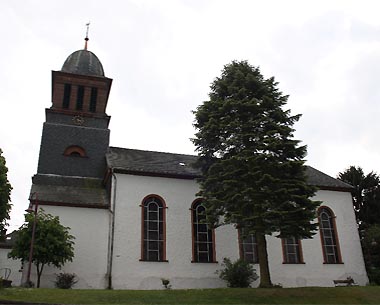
(90, 228)
(314, 272)
(130, 273)
(14, 265)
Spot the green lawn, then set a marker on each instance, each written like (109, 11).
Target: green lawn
(339, 295)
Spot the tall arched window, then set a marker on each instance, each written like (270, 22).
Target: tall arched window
(153, 229)
(203, 236)
(329, 236)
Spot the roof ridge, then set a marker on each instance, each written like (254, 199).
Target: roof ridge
(151, 151)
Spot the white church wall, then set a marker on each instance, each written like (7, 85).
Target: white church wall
(128, 271)
(131, 273)
(314, 272)
(90, 228)
(13, 265)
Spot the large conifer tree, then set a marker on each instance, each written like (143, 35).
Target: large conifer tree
(253, 169)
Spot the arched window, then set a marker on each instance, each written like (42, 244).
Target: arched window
(75, 151)
(248, 247)
(153, 229)
(203, 236)
(329, 236)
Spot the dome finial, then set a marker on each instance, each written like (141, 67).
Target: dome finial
(86, 39)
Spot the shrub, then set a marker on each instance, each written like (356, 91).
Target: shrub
(65, 280)
(237, 274)
(374, 276)
(166, 283)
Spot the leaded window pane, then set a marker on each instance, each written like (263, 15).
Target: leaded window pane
(153, 229)
(203, 239)
(292, 250)
(328, 234)
(248, 247)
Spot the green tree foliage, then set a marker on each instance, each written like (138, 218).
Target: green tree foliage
(366, 195)
(253, 169)
(371, 251)
(53, 244)
(366, 200)
(5, 196)
(238, 274)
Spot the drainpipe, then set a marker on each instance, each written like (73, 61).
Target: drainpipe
(111, 236)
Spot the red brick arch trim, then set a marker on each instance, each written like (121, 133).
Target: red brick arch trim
(153, 198)
(75, 151)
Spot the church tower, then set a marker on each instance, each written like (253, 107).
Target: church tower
(75, 136)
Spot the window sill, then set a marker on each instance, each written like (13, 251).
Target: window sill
(339, 263)
(195, 262)
(163, 261)
(300, 263)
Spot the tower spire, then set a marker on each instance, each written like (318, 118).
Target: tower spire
(86, 39)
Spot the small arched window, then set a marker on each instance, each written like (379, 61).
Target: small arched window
(75, 151)
(203, 236)
(329, 236)
(153, 246)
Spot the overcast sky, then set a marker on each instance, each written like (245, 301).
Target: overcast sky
(163, 55)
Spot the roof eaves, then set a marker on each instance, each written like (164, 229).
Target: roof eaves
(155, 174)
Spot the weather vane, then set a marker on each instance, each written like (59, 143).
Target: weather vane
(86, 39)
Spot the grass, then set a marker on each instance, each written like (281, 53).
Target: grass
(339, 295)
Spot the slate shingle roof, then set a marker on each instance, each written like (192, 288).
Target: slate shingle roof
(9, 240)
(78, 191)
(151, 162)
(154, 163)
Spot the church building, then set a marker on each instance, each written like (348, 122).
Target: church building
(135, 214)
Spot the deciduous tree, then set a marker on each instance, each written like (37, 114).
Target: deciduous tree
(253, 169)
(53, 244)
(5, 196)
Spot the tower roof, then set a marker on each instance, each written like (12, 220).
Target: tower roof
(83, 62)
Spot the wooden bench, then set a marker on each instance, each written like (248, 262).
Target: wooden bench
(347, 282)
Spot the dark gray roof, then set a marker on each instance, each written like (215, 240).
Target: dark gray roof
(143, 162)
(317, 178)
(151, 162)
(77, 191)
(83, 62)
(9, 240)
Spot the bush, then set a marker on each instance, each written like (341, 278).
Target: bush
(166, 283)
(65, 280)
(374, 276)
(238, 274)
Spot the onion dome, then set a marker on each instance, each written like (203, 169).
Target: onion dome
(83, 62)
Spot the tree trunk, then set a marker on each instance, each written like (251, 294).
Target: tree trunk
(39, 273)
(265, 281)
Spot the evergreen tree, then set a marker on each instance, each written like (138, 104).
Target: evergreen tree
(53, 244)
(5, 196)
(366, 195)
(253, 169)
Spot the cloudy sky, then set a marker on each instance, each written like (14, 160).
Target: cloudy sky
(163, 55)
